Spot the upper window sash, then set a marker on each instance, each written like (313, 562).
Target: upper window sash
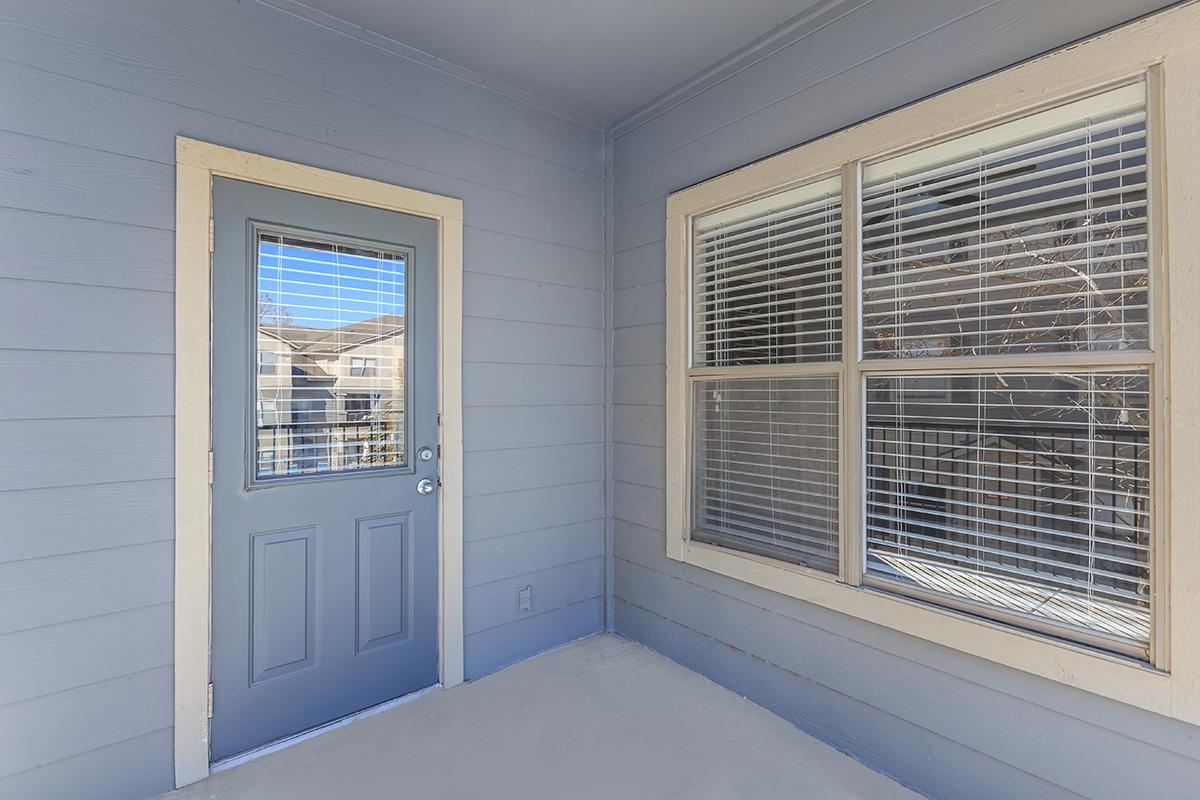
(1028, 237)
(767, 280)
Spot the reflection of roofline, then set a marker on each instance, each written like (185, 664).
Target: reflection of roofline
(395, 332)
(308, 338)
(273, 335)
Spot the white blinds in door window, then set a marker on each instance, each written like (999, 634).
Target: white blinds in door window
(330, 335)
(1028, 237)
(1021, 491)
(768, 285)
(767, 342)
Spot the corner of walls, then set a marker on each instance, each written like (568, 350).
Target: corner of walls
(609, 567)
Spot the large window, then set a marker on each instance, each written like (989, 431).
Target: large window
(921, 376)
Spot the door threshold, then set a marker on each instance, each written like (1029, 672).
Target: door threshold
(296, 738)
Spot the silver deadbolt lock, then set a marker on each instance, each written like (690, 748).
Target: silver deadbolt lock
(425, 486)
(424, 454)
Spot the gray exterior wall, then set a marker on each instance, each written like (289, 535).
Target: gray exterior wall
(91, 98)
(947, 724)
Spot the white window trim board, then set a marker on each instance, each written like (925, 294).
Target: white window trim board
(196, 164)
(1166, 49)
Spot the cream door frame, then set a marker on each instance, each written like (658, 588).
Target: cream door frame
(196, 163)
(1165, 49)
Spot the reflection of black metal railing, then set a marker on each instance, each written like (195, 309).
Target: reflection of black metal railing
(1068, 504)
(303, 448)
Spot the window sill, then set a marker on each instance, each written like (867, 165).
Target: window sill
(1108, 674)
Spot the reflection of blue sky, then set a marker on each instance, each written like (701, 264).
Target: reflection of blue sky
(329, 289)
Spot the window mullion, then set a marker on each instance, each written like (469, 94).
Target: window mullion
(852, 543)
(1160, 608)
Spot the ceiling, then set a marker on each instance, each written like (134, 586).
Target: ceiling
(604, 58)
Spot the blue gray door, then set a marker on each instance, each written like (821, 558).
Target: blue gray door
(325, 461)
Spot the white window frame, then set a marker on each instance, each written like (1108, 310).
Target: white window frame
(268, 358)
(1165, 49)
(362, 367)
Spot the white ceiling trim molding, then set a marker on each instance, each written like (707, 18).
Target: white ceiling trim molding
(813, 19)
(526, 101)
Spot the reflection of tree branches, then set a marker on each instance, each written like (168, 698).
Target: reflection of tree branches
(271, 313)
(1125, 472)
(1042, 276)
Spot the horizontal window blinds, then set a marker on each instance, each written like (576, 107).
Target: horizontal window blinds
(1024, 491)
(767, 285)
(766, 465)
(1021, 494)
(1005, 449)
(330, 335)
(1027, 237)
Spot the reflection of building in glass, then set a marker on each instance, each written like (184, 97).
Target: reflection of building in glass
(330, 399)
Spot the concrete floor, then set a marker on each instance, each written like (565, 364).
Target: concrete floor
(600, 718)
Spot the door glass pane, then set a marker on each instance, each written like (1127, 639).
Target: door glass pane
(330, 377)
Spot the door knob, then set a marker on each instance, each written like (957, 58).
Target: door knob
(425, 486)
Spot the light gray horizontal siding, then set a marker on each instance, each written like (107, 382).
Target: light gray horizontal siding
(640, 464)
(490, 605)
(91, 99)
(639, 305)
(526, 552)
(57, 589)
(639, 424)
(489, 650)
(506, 341)
(948, 724)
(501, 297)
(90, 183)
(53, 658)
(640, 227)
(84, 718)
(41, 453)
(510, 427)
(59, 249)
(144, 764)
(485, 516)
(642, 384)
(503, 471)
(639, 265)
(531, 385)
(90, 318)
(51, 382)
(532, 260)
(63, 519)
(639, 345)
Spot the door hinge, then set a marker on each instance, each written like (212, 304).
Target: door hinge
(212, 236)
(210, 700)
(439, 418)
(210, 467)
